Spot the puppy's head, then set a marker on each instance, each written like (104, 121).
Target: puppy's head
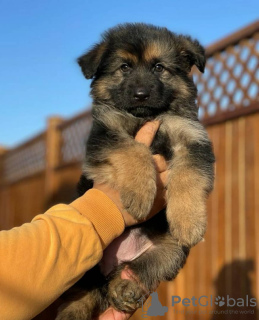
(144, 70)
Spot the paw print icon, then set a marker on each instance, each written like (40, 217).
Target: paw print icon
(220, 301)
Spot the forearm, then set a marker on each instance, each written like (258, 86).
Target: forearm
(42, 259)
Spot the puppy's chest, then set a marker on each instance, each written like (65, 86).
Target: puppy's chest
(161, 145)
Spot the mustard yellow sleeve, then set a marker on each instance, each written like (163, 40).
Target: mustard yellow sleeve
(42, 259)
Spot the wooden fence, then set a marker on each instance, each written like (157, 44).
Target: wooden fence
(45, 170)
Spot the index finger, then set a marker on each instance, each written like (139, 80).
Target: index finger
(147, 133)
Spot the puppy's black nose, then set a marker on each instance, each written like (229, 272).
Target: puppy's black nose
(141, 94)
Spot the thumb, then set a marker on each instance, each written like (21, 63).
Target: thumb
(147, 133)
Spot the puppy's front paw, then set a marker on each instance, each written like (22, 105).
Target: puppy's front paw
(187, 236)
(187, 228)
(139, 200)
(125, 295)
(186, 205)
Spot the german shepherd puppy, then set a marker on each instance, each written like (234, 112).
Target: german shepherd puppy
(139, 73)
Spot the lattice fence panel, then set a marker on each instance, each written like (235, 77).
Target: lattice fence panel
(74, 138)
(231, 78)
(25, 161)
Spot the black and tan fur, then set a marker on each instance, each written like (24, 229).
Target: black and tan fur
(141, 72)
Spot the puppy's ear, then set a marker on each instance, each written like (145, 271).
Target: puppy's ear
(90, 61)
(192, 53)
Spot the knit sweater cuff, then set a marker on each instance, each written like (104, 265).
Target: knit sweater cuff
(103, 213)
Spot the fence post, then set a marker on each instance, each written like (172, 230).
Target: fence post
(2, 174)
(53, 148)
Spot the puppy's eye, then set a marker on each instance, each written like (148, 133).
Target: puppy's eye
(159, 67)
(125, 67)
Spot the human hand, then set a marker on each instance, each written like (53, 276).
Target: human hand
(145, 135)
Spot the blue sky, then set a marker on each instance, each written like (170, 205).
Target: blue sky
(40, 41)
